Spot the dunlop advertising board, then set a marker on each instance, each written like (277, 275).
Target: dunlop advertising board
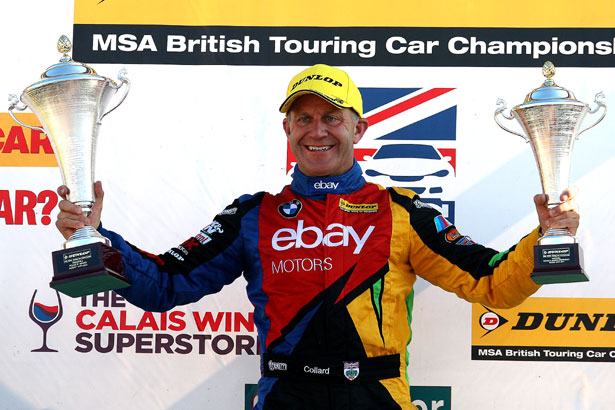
(546, 329)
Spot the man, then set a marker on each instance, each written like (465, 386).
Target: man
(330, 261)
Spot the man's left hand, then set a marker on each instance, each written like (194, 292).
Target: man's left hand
(565, 215)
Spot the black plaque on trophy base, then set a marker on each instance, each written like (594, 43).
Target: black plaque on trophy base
(88, 269)
(558, 264)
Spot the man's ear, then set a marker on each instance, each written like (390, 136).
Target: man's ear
(359, 130)
(286, 125)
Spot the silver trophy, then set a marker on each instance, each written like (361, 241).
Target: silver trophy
(551, 118)
(70, 101)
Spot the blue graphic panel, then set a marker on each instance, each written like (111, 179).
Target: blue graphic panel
(440, 126)
(376, 97)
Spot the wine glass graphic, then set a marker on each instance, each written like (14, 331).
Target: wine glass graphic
(45, 316)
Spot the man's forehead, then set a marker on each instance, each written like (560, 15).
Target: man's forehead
(311, 102)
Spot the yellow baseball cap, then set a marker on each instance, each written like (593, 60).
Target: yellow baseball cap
(330, 83)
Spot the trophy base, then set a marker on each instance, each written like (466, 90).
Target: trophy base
(88, 269)
(562, 263)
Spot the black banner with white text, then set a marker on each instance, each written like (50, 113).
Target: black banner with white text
(347, 46)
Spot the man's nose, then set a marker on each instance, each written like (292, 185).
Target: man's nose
(319, 129)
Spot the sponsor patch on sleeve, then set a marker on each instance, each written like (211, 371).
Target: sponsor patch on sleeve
(206, 233)
(452, 235)
(420, 204)
(441, 223)
(202, 238)
(229, 211)
(465, 241)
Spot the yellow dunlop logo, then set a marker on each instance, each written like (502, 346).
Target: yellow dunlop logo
(348, 207)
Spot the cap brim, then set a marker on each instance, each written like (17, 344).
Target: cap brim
(288, 102)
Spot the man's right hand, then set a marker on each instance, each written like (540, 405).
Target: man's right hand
(71, 218)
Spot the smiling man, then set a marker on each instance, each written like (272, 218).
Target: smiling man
(323, 121)
(330, 261)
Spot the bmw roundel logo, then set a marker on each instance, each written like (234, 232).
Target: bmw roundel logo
(290, 209)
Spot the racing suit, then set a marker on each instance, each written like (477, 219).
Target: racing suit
(330, 265)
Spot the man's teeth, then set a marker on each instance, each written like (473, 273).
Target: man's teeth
(325, 148)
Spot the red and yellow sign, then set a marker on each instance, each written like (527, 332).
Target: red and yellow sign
(23, 147)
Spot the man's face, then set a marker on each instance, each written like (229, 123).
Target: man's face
(322, 136)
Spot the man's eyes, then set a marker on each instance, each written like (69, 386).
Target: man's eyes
(328, 119)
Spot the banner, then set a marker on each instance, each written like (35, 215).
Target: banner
(465, 35)
(368, 46)
(201, 126)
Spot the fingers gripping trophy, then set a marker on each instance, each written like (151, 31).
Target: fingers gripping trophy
(551, 118)
(70, 102)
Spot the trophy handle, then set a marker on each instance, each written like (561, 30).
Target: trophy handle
(14, 105)
(500, 111)
(123, 81)
(599, 103)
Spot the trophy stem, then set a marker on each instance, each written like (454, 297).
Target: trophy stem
(557, 237)
(85, 236)
(86, 206)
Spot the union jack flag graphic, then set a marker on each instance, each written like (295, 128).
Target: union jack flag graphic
(411, 142)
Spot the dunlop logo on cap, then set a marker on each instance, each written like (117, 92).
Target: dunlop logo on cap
(317, 77)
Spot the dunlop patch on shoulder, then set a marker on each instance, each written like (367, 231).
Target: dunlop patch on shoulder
(348, 207)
